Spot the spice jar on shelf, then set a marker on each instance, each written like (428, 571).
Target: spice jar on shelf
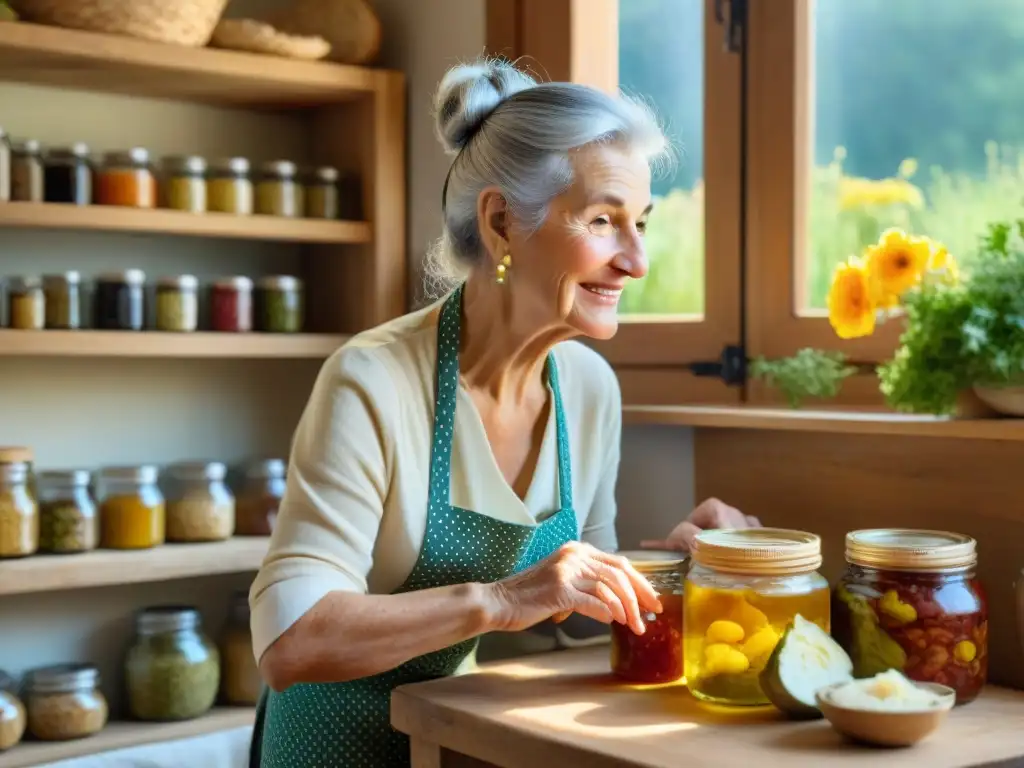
(229, 188)
(125, 178)
(63, 300)
(231, 305)
(68, 518)
(177, 303)
(200, 506)
(240, 681)
(19, 511)
(172, 669)
(278, 192)
(259, 497)
(279, 304)
(67, 175)
(184, 183)
(12, 719)
(26, 304)
(322, 193)
(120, 301)
(131, 508)
(27, 171)
(64, 702)
(5, 166)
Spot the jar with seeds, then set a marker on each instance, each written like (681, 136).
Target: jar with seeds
(65, 702)
(200, 506)
(68, 519)
(19, 512)
(279, 304)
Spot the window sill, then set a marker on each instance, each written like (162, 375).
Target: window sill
(844, 422)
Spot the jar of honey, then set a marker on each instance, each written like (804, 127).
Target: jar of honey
(910, 600)
(743, 589)
(657, 655)
(132, 514)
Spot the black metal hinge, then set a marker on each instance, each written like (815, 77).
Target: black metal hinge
(731, 367)
(734, 21)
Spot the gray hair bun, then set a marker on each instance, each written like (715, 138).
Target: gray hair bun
(467, 96)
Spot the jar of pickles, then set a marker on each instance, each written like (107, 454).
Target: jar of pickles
(67, 175)
(65, 702)
(229, 188)
(126, 179)
(63, 300)
(657, 655)
(27, 172)
(19, 511)
(184, 183)
(26, 304)
(259, 497)
(199, 505)
(177, 304)
(743, 589)
(910, 600)
(120, 301)
(322, 193)
(131, 508)
(240, 682)
(12, 719)
(278, 192)
(231, 305)
(280, 304)
(68, 518)
(172, 670)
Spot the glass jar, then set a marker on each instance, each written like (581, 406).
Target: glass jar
(322, 193)
(177, 304)
(68, 519)
(259, 497)
(231, 305)
(228, 187)
(240, 682)
(125, 178)
(120, 301)
(184, 183)
(27, 171)
(64, 702)
(19, 511)
(278, 192)
(67, 175)
(910, 600)
(26, 304)
(63, 300)
(5, 167)
(743, 589)
(199, 505)
(12, 720)
(279, 304)
(657, 655)
(131, 508)
(172, 669)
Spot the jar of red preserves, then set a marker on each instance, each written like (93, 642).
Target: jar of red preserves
(231, 305)
(657, 655)
(910, 600)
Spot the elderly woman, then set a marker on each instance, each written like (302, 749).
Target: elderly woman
(454, 471)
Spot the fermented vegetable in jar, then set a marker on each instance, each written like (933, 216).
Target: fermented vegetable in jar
(64, 702)
(126, 178)
(63, 300)
(177, 303)
(278, 192)
(26, 304)
(68, 518)
(120, 300)
(19, 512)
(184, 183)
(132, 514)
(231, 305)
(200, 506)
(910, 600)
(657, 655)
(172, 669)
(322, 193)
(27, 172)
(280, 304)
(259, 498)
(240, 682)
(228, 187)
(67, 175)
(743, 589)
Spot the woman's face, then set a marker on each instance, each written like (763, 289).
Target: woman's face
(573, 269)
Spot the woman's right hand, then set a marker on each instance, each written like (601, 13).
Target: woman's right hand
(577, 578)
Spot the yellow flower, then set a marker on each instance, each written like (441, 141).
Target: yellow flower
(942, 262)
(856, 192)
(851, 309)
(895, 264)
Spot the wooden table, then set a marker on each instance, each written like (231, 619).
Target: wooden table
(563, 710)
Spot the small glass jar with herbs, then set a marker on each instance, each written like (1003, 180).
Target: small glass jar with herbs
(132, 512)
(63, 300)
(280, 304)
(27, 172)
(68, 517)
(172, 669)
(240, 683)
(278, 191)
(64, 702)
(19, 510)
(200, 506)
(259, 497)
(184, 183)
(177, 304)
(322, 193)
(229, 188)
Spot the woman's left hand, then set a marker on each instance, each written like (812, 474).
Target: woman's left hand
(710, 514)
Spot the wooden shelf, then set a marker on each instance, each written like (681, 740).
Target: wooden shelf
(103, 567)
(65, 58)
(845, 422)
(118, 735)
(160, 344)
(115, 219)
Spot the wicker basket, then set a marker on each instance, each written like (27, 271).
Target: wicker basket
(183, 22)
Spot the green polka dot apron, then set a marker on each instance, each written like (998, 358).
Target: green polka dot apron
(348, 724)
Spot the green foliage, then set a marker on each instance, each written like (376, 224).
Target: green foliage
(809, 373)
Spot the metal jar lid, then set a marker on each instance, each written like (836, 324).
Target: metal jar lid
(279, 169)
(128, 277)
(236, 166)
(144, 474)
(63, 678)
(266, 469)
(26, 147)
(325, 174)
(184, 164)
(10, 454)
(166, 618)
(136, 156)
(65, 477)
(180, 282)
(757, 551)
(77, 151)
(14, 471)
(654, 561)
(198, 470)
(71, 277)
(280, 283)
(909, 549)
(21, 284)
(234, 283)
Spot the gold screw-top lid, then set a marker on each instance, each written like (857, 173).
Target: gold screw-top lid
(758, 551)
(907, 549)
(11, 454)
(652, 560)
